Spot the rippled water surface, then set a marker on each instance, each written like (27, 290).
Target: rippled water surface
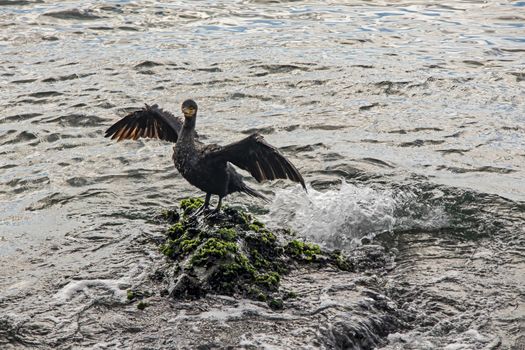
(407, 120)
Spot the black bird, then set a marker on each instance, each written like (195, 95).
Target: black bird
(207, 166)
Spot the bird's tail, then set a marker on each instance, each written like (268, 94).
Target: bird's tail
(250, 191)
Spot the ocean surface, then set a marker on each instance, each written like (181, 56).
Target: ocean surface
(406, 119)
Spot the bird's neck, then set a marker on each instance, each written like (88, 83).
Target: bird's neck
(188, 127)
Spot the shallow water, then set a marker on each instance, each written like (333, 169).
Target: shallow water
(406, 119)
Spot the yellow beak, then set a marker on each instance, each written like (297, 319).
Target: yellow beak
(188, 111)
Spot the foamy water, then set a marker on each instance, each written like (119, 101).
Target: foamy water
(340, 217)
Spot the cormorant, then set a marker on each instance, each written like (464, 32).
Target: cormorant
(207, 166)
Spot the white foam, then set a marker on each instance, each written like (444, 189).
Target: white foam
(340, 218)
(93, 287)
(115, 287)
(239, 312)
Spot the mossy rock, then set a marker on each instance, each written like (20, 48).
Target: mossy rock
(142, 305)
(303, 250)
(233, 253)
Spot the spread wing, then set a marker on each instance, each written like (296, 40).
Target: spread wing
(261, 159)
(150, 121)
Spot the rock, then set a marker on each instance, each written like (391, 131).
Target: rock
(185, 287)
(233, 253)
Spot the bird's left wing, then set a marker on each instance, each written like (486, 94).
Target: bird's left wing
(150, 121)
(257, 156)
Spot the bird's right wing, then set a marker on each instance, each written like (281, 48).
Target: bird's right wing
(257, 156)
(150, 121)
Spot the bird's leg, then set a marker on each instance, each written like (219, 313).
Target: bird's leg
(218, 208)
(204, 207)
(207, 201)
(214, 213)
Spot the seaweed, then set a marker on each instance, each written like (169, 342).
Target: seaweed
(233, 253)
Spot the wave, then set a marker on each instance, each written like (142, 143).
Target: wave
(341, 217)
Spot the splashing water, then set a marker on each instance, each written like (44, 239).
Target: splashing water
(341, 218)
(335, 218)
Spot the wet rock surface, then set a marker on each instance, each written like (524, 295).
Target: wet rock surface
(233, 253)
(228, 281)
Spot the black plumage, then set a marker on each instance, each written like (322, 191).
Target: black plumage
(151, 121)
(207, 166)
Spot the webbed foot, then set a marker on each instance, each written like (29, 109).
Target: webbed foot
(202, 208)
(213, 213)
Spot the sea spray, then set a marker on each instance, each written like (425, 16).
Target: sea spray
(336, 218)
(340, 218)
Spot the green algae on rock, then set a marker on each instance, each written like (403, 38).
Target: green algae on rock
(233, 253)
(133, 295)
(142, 305)
(302, 250)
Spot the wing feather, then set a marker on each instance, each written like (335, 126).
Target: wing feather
(127, 132)
(280, 173)
(150, 121)
(135, 135)
(119, 133)
(257, 172)
(262, 160)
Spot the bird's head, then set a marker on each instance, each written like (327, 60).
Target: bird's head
(189, 108)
